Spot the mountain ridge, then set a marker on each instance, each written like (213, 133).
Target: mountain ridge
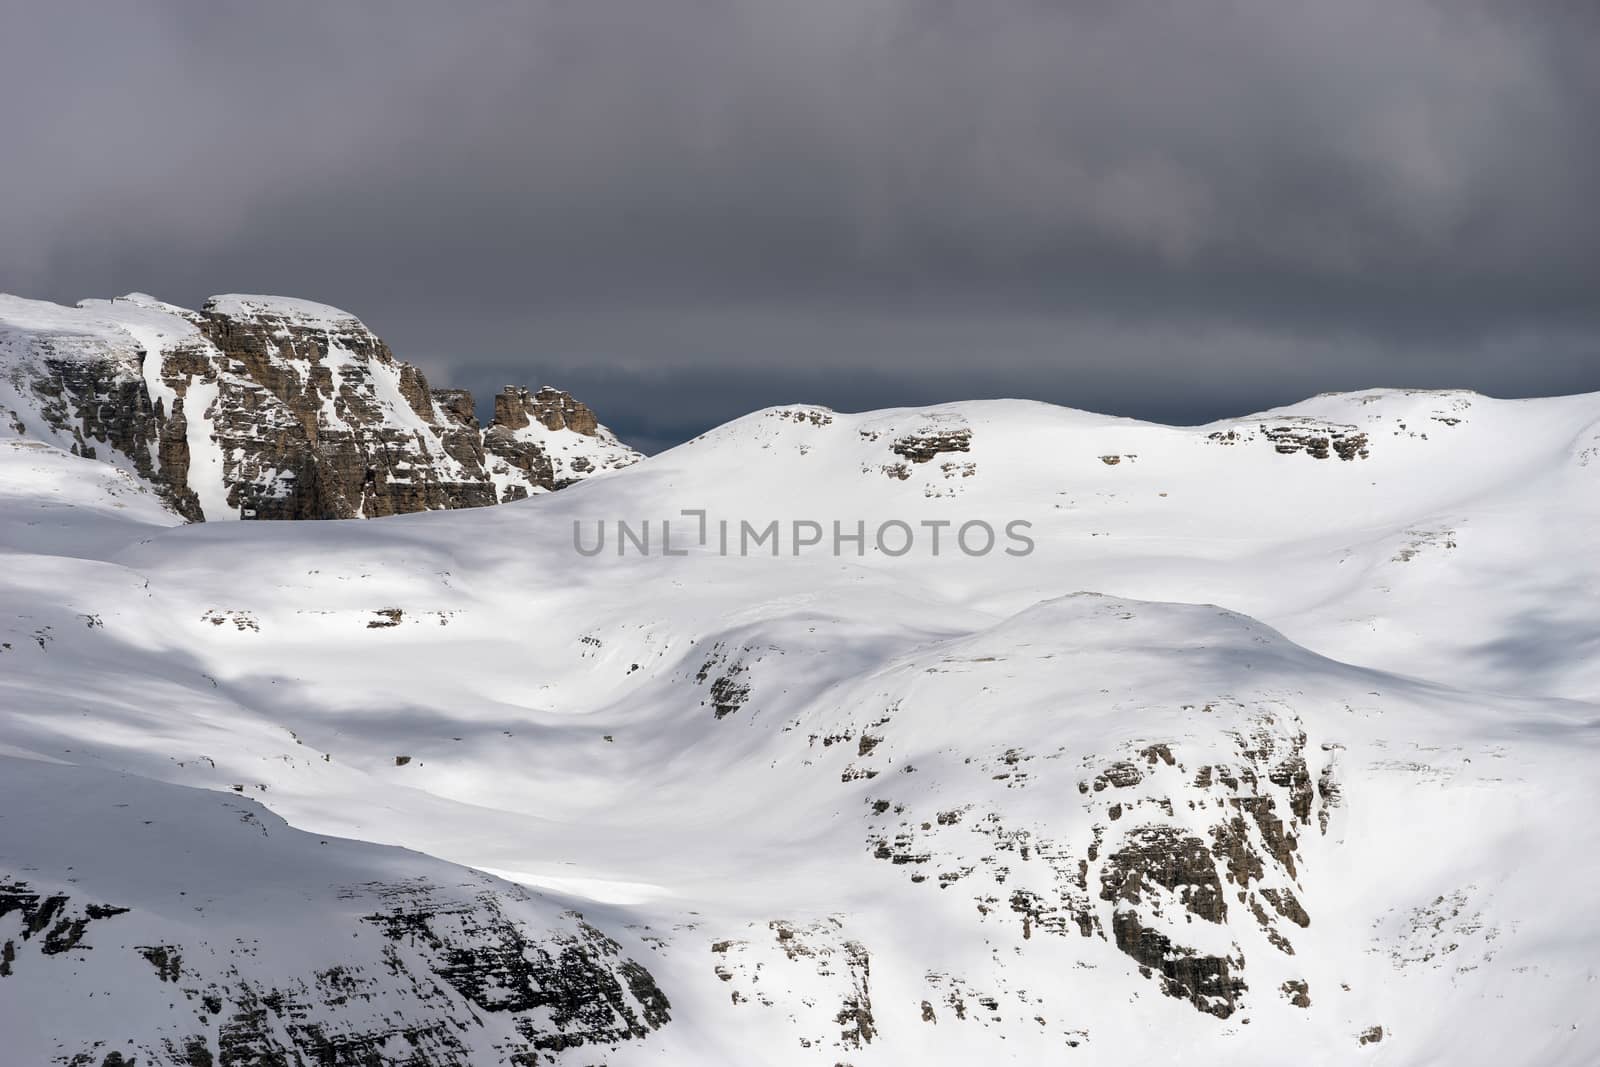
(1268, 747)
(275, 407)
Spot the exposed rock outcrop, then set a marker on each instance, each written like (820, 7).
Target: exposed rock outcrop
(923, 445)
(1165, 851)
(516, 408)
(546, 440)
(268, 407)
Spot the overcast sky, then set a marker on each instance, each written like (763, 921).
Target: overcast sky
(685, 209)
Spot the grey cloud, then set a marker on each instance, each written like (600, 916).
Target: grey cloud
(1168, 209)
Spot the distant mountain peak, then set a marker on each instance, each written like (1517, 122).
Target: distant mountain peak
(277, 407)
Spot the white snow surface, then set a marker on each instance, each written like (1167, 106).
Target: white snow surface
(757, 772)
(292, 309)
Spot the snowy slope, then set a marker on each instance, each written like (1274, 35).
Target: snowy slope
(219, 933)
(1261, 753)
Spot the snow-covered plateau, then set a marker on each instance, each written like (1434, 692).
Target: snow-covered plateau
(1278, 745)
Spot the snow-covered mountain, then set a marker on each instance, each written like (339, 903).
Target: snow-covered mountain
(1256, 742)
(271, 407)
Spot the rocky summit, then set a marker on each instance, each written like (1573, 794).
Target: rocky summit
(275, 408)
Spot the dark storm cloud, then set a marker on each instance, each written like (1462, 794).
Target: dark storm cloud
(687, 208)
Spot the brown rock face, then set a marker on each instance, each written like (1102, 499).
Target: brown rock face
(546, 440)
(100, 405)
(173, 455)
(922, 446)
(457, 404)
(267, 407)
(324, 422)
(553, 409)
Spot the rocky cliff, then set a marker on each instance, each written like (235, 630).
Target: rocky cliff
(270, 407)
